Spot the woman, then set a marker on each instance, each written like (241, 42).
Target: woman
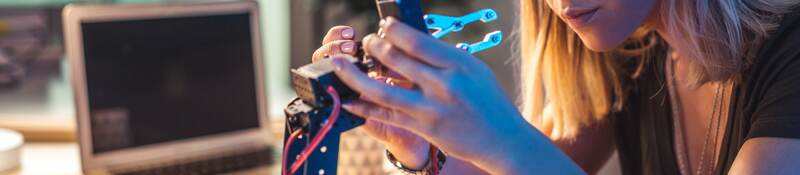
(677, 87)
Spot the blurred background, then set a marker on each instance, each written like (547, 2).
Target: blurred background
(36, 98)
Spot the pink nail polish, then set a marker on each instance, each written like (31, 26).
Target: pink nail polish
(348, 33)
(348, 47)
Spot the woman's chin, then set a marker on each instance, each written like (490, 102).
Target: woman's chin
(601, 44)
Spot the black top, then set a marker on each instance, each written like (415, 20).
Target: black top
(765, 103)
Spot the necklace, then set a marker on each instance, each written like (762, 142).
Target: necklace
(715, 114)
(680, 138)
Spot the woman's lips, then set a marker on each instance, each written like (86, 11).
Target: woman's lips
(577, 18)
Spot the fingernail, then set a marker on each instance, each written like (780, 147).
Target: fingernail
(347, 106)
(381, 23)
(348, 33)
(382, 34)
(348, 47)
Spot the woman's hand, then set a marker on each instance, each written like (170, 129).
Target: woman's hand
(408, 148)
(458, 105)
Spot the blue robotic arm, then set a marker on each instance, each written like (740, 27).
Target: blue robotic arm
(443, 25)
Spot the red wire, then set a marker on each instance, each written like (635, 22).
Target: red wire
(322, 132)
(286, 148)
(435, 159)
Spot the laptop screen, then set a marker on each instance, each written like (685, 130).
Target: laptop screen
(160, 80)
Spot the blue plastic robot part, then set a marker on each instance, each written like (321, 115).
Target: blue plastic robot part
(490, 40)
(443, 25)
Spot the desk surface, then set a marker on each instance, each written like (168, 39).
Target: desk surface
(57, 158)
(359, 155)
(62, 158)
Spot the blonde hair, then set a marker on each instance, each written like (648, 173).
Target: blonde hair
(566, 86)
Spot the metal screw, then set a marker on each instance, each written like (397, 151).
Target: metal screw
(323, 149)
(489, 15)
(458, 24)
(495, 39)
(321, 171)
(464, 47)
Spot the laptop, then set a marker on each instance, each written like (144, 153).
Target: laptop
(168, 88)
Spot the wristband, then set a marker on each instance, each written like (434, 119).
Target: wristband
(430, 167)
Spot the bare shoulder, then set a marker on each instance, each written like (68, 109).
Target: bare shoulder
(768, 155)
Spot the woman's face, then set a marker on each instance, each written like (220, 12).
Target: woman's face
(603, 24)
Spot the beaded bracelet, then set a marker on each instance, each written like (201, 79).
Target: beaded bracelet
(430, 168)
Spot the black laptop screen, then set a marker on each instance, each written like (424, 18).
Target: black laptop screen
(161, 80)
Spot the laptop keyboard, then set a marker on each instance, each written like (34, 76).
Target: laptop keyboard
(224, 164)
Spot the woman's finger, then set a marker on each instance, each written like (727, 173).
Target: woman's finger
(375, 129)
(371, 111)
(381, 93)
(334, 48)
(399, 62)
(339, 33)
(422, 123)
(421, 45)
